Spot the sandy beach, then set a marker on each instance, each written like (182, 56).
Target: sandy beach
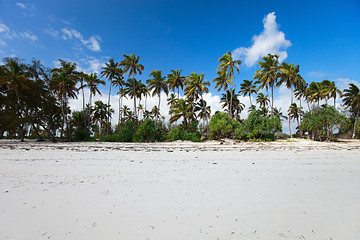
(180, 190)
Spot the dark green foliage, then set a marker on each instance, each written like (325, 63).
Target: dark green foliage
(177, 133)
(148, 132)
(321, 122)
(80, 135)
(258, 127)
(221, 126)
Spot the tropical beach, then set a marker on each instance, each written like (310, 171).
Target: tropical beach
(183, 120)
(180, 190)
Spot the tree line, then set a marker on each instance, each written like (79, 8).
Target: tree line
(34, 102)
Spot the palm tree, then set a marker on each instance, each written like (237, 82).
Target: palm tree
(132, 90)
(196, 86)
(101, 114)
(351, 99)
(140, 109)
(175, 80)
(294, 113)
(119, 82)
(132, 66)
(228, 65)
(92, 82)
(268, 75)
(329, 90)
(183, 110)
(237, 107)
(314, 93)
(204, 111)
(247, 88)
(64, 80)
(111, 71)
(14, 75)
(157, 84)
(289, 75)
(262, 100)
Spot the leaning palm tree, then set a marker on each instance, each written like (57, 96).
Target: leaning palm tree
(175, 80)
(132, 66)
(228, 65)
(268, 74)
(157, 84)
(351, 99)
(294, 113)
(247, 88)
(111, 71)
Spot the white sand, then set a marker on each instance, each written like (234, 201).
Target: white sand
(105, 191)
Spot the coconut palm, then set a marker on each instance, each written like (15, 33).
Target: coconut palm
(247, 88)
(314, 93)
(157, 84)
(294, 113)
(329, 90)
(14, 75)
(132, 90)
(237, 107)
(132, 66)
(268, 74)
(181, 109)
(101, 115)
(196, 86)
(64, 80)
(262, 100)
(228, 65)
(110, 71)
(119, 82)
(351, 99)
(175, 80)
(289, 75)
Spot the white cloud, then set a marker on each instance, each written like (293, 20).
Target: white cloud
(270, 40)
(20, 5)
(93, 43)
(343, 83)
(29, 35)
(52, 32)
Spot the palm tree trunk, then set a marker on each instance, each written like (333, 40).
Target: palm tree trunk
(108, 110)
(299, 121)
(356, 119)
(272, 99)
(119, 119)
(334, 102)
(290, 127)
(158, 108)
(231, 97)
(178, 93)
(250, 100)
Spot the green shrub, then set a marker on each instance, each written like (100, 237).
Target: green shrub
(148, 132)
(126, 133)
(80, 135)
(179, 134)
(221, 126)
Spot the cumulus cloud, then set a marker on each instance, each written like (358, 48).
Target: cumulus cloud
(93, 43)
(270, 40)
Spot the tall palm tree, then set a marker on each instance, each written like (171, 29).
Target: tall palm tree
(247, 88)
(196, 86)
(119, 82)
(228, 65)
(175, 80)
(351, 99)
(64, 80)
(15, 76)
(132, 90)
(92, 82)
(237, 107)
(133, 67)
(329, 90)
(110, 71)
(157, 84)
(101, 114)
(268, 74)
(294, 113)
(289, 75)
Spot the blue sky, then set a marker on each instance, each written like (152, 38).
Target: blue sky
(323, 37)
